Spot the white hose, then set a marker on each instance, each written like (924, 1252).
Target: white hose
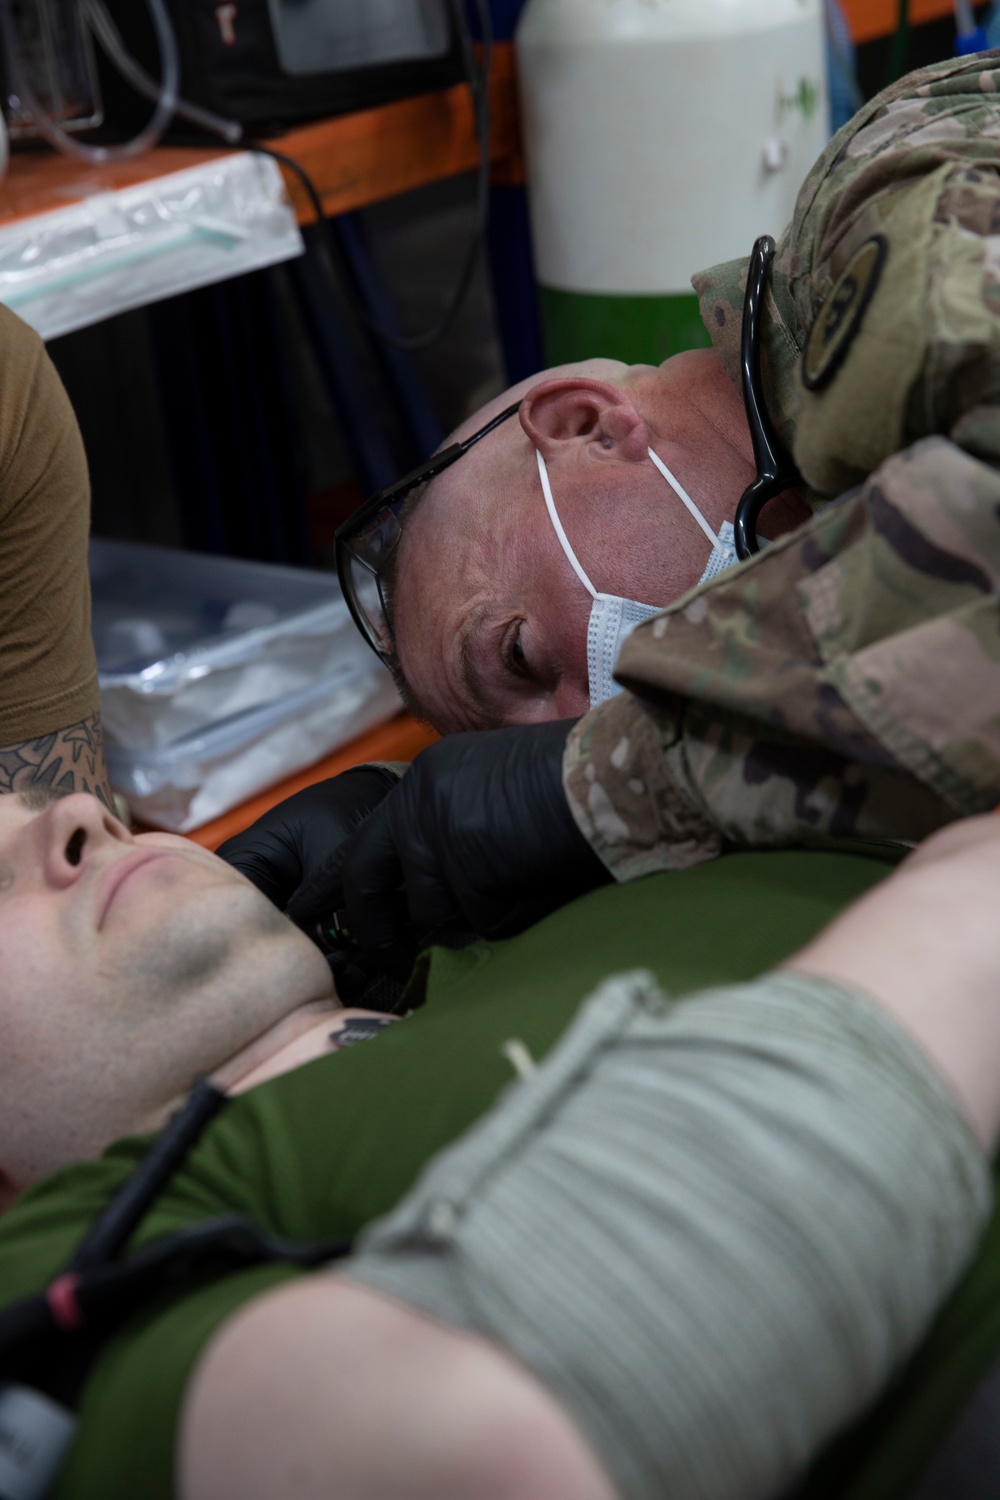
(965, 18)
(166, 103)
(108, 35)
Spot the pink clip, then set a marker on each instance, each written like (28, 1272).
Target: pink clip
(63, 1304)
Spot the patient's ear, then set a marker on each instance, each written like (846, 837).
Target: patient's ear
(575, 410)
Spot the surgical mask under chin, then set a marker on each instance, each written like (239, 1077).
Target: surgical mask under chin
(613, 619)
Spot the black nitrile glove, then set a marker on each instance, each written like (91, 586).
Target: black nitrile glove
(290, 852)
(478, 834)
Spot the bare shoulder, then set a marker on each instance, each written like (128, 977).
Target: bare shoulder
(67, 760)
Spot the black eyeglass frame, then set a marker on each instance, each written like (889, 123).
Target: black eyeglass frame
(776, 471)
(391, 499)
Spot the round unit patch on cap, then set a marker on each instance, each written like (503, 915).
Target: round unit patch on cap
(841, 315)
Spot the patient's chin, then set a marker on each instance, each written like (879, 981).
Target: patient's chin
(208, 935)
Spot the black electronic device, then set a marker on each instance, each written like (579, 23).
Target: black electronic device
(271, 64)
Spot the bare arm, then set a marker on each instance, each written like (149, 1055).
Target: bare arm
(68, 760)
(926, 946)
(50, 703)
(359, 1396)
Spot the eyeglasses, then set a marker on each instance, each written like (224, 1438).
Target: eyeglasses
(366, 541)
(776, 469)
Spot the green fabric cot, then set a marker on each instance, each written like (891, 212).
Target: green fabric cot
(320, 1152)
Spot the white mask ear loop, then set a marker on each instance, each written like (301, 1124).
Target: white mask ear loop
(557, 526)
(683, 496)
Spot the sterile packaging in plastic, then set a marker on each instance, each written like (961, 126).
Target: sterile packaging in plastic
(115, 249)
(219, 677)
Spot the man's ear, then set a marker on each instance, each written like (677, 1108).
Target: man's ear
(574, 410)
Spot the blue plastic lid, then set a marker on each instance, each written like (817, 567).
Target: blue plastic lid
(976, 41)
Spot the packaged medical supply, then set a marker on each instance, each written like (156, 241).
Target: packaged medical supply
(219, 677)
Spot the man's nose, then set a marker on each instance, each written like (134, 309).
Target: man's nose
(75, 828)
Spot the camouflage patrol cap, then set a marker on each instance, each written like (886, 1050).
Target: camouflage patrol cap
(720, 292)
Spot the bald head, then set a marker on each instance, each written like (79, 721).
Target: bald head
(490, 619)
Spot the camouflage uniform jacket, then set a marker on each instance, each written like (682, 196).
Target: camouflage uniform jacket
(846, 682)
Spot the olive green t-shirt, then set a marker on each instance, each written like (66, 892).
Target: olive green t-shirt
(322, 1151)
(47, 665)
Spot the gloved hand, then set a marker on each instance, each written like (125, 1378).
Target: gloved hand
(291, 853)
(478, 833)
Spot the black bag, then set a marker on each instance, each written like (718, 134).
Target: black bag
(252, 61)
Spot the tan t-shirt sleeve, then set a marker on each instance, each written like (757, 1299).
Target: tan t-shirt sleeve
(48, 672)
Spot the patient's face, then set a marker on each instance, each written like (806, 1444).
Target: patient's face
(129, 965)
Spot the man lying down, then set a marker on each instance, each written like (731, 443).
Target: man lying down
(662, 1241)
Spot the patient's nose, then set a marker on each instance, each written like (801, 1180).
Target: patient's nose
(74, 829)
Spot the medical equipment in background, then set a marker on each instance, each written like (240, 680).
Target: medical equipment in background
(261, 64)
(220, 677)
(280, 61)
(285, 60)
(659, 139)
(49, 81)
(54, 56)
(272, 63)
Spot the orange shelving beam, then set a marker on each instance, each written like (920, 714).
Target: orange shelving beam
(354, 159)
(874, 18)
(401, 739)
(376, 153)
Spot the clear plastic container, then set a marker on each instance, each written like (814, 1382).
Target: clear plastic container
(220, 677)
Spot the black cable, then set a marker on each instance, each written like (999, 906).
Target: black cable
(42, 1347)
(478, 77)
(112, 1229)
(900, 45)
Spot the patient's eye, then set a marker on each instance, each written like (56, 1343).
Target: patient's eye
(513, 653)
(74, 846)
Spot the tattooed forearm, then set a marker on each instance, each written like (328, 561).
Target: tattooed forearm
(70, 760)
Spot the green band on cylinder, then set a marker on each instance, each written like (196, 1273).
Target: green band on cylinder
(638, 330)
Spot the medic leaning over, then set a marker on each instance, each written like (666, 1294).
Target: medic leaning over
(841, 685)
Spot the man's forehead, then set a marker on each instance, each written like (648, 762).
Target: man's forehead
(464, 514)
(458, 572)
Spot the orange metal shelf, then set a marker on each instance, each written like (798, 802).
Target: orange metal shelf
(376, 153)
(401, 739)
(872, 18)
(354, 159)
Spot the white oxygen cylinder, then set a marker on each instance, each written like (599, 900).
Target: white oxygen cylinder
(660, 136)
